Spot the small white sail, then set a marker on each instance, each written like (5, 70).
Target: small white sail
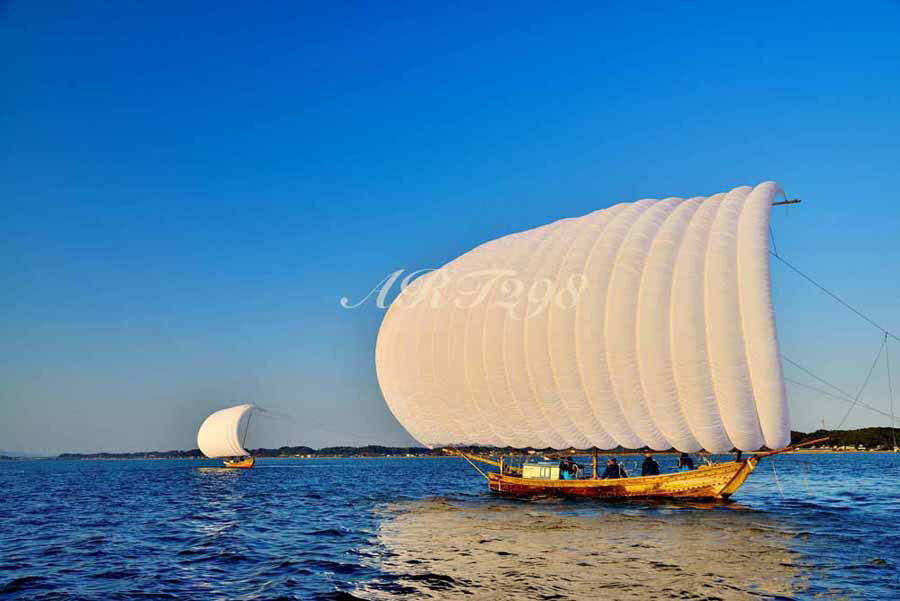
(670, 341)
(222, 433)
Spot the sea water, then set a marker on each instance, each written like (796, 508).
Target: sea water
(817, 526)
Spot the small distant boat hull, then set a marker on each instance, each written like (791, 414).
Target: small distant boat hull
(718, 481)
(240, 463)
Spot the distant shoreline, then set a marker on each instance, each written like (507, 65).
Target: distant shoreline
(862, 440)
(76, 457)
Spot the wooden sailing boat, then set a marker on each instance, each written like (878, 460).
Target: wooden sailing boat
(714, 481)
(644, 325)
(245, 463)
(223, 434)
(717, 481)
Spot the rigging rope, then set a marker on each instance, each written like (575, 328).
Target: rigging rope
(778, 482)
(865, 383)
(822, 380)
(840, 398)
(817, 389)
(842, 395)
(835, 296)
(887, 364)
(307, 422)
(887, 334)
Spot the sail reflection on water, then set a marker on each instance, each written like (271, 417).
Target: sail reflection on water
(507, 551)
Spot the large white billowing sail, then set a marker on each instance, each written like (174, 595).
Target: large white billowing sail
(221, 433)
(644, 324)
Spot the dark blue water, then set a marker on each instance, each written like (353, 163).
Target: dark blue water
(389, 528)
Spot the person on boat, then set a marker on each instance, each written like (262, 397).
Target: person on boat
(576, 469)
(568, 469)
(614, 470)
(685, 463)
(649, 467)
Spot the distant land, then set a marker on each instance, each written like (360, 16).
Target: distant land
(862, 439)
(16, 455)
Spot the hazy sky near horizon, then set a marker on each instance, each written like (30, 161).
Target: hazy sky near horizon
(188, 191)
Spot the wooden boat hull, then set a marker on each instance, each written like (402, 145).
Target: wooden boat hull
(241, 463)
(717, 481)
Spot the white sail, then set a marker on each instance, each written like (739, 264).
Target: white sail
(668, 342)
(221, 433)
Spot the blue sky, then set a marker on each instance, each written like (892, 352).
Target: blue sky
(186, 192)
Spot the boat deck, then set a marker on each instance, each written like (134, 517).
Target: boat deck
(716, 481)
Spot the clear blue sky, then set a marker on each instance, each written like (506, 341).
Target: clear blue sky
(186, 192)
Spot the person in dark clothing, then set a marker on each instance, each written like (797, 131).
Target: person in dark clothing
(685, 463)
(574, 469)
(568, 469)
(649, 467)
(614, 470)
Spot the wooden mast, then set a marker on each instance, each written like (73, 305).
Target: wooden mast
(594, 462)
(246, 431)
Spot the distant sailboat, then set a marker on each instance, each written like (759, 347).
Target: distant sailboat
(224, 433)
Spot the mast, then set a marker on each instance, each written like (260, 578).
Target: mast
(246, 430)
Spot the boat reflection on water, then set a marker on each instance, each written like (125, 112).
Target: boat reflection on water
(506, 550)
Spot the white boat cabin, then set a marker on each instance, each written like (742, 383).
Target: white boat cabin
(545, 470)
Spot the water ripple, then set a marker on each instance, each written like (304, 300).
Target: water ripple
(385, 529)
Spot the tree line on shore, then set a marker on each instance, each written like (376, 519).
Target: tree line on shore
(868, 438)
(873, 439)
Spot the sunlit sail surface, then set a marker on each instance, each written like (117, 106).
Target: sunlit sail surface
(657, 330)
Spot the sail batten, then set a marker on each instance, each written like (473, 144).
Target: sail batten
(221, 433)
(669, 340)
(654, 319)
